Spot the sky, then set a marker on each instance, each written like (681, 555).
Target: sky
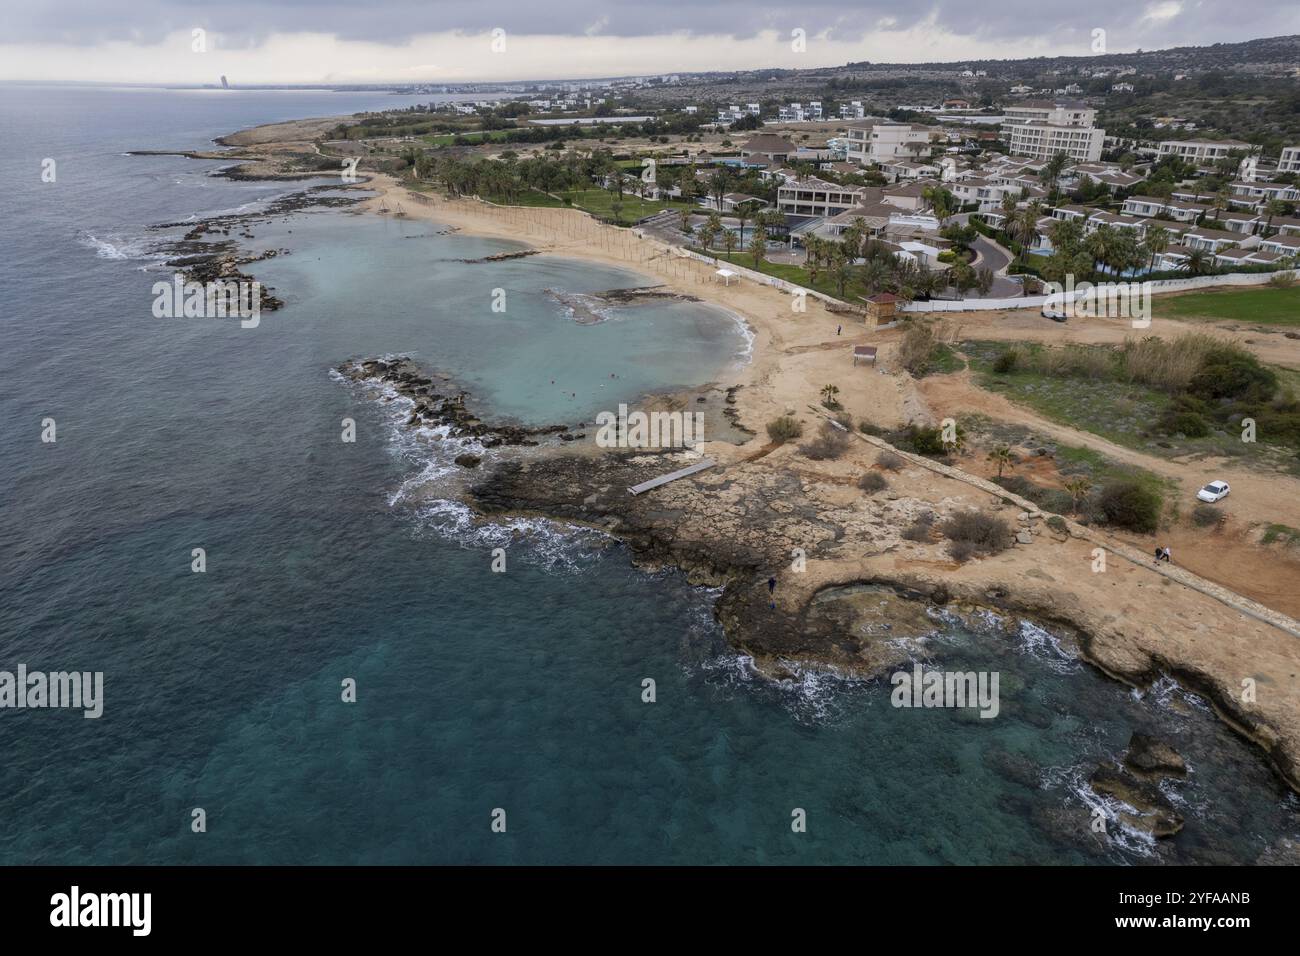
(450, 41)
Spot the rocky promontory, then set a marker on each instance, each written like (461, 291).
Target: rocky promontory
(438, 402)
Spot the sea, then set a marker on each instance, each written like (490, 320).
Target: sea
(348, 680)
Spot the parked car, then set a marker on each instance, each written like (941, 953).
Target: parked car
(1054, 313)
(1214, 491)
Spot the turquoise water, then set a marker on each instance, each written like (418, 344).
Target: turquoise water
(376, 285)
(476, 690)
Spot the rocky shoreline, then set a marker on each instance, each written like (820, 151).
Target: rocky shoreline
(209, 251)
(437, 402)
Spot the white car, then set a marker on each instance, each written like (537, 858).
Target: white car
(1055, 313)
(1214, 491)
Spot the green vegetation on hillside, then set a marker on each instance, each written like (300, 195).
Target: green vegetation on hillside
(1194, 394)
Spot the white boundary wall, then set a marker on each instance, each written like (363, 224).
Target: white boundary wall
(973, 305)
(1038, 301)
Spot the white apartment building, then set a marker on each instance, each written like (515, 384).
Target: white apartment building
(881, 142)
(1044, 140)
(852, 110)
(1203, 152)
(817, 197)
(1043, 128)
(1290, 161)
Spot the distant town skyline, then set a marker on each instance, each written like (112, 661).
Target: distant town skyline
(404, 41)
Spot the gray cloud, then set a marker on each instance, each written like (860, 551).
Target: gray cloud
(89, 22)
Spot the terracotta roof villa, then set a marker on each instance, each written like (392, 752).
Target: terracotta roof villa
(768, 146)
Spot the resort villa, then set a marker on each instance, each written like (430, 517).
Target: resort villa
(877, 141)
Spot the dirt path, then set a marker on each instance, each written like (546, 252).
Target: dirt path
(1026, 325)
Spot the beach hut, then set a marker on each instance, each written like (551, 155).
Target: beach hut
(865, 352)
(726, 275)
(881, 306)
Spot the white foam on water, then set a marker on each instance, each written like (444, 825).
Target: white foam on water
(1119, 835)
(557, 547)
(813, 695)
(122, 248)
(1046, 647)
(432, 451)
(1167, 694)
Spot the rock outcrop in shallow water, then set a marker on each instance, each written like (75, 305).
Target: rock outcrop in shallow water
(439, 403)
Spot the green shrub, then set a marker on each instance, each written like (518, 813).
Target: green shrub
(1232, 373)
(784, 429)
(1128, 504)
(829, 444)
(987, 534)
(961, 551)
(1187, 424)
(919, 530)
(873, 481)
(928, 439)
(1057, 524)
(1007, 362)
(890, 461)
(1204, 515)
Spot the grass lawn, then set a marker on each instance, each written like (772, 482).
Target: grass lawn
(791, 273)
(600, 202)
(1264, 306)
(944, 360)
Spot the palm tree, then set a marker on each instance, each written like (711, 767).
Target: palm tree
(1051, 173)
(1003, 457)
(1199, 262)
(1101, 244)
(729, 240)
(926, 282)
(1067, 236)
(758, 245)
(839, 267)
(1156, 242)
(941, 201)
(828, 395)
(742, 211)
(1024, 227)
(1008, 209)
(1275, 207)
(719, 186)
(1077, 488)
(875, 273)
